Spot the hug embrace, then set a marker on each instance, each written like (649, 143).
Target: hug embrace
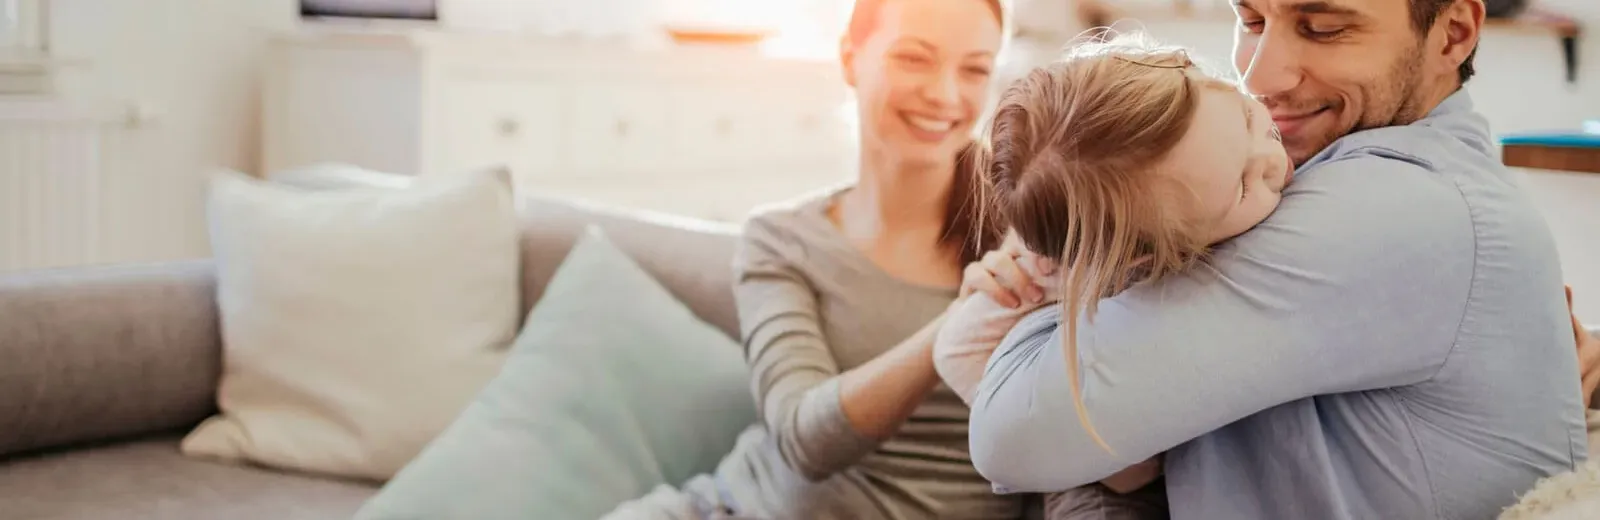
(1148, 291)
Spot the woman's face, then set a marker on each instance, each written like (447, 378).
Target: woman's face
(1233, 160)
(922, 76)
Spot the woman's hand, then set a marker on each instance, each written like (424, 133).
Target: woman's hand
(1588, 355)
(995, 293)
(1011, 275)
(1135, 477)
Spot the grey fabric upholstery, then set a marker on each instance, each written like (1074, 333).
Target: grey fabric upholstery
(149, 480)
(693, 259)
(90, 357)
(102, 353)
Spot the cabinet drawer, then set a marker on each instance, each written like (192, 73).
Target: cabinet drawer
(805, 130)
(717, 127)
(518, 124)
(617, 130)
(720, 128)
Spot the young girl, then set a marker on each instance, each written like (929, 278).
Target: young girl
(1120, 163)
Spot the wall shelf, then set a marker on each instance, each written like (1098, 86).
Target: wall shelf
(1574, 151)
(1560, 158)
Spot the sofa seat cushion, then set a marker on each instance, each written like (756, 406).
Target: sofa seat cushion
(150, 479)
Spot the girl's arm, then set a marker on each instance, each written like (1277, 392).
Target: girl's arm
(971, 330)
(822, 419)
(879, 395)
(976, 324)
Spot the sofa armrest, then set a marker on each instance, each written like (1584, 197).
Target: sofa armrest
(99, 353)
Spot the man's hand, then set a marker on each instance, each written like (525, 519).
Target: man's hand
(1588, 355)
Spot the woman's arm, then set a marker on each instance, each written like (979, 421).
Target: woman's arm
(880, 394)
(1358, 281)
(822, 419)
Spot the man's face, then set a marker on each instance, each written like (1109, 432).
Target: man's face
(1326, 68)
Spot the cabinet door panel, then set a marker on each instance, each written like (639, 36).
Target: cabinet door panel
(619, 131)
(518, 124)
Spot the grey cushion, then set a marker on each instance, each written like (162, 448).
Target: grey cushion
(150, 480)
(98, 353)
(692, 258)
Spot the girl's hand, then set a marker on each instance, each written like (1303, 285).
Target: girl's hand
(1011, 275)
(1588, 355)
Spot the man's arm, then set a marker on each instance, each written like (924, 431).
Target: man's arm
(1357, 281)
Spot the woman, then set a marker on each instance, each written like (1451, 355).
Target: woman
(839, 295)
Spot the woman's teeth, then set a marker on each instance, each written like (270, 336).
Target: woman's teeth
(930, 125)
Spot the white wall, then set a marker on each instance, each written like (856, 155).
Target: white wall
(195, 64)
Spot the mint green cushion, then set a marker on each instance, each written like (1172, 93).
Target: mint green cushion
(612, 388)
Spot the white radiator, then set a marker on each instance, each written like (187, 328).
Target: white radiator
(51, 188)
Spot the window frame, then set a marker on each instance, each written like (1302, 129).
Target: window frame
(27, 66)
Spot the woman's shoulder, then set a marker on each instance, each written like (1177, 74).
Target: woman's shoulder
(800, 218)
(796, 231)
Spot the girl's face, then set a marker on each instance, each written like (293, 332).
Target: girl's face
(922, 76)
(1233, 160)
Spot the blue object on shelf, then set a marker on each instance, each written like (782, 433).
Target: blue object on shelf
(1589, 137)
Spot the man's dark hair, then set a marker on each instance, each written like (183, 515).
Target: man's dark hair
(1423, 14)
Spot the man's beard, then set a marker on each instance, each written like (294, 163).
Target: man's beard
(1388, 100)
(1397, 102)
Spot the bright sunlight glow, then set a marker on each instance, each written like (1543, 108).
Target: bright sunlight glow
(806, 29)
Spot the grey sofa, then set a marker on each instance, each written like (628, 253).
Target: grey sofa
(103, 370)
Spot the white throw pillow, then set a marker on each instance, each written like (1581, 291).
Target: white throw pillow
(1574, 495)
(356, 324)
(339, 176)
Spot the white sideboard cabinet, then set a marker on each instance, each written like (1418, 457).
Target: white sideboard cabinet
(704, 132)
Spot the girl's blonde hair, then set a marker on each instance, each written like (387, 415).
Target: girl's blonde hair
(1069, 162)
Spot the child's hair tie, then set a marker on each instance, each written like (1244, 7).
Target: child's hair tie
(1181, 58)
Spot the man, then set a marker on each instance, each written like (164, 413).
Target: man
(1390, 343)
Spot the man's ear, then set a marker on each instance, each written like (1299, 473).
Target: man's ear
(847, 61)
(1462, 24)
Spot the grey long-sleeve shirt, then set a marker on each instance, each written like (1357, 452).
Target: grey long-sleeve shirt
(812, 306)
(1392, 342)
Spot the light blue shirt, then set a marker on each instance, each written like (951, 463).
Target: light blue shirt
(1392, 343)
